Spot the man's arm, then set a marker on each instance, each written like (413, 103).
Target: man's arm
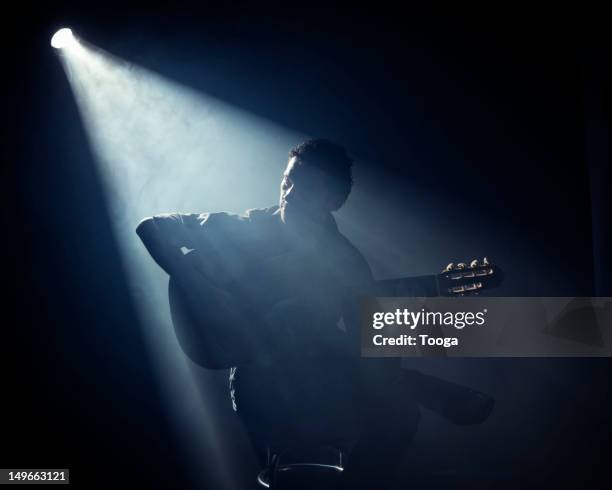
(164, 235)
(208, 321)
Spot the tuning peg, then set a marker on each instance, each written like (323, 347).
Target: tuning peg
(449, 267)
(460, 266)
(474, 264)
(485, 262)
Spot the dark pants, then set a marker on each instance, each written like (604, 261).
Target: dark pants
(366, 408)
(389, 417)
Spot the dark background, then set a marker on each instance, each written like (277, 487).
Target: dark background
(507, 116)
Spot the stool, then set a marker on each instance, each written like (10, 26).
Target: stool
(269, 476)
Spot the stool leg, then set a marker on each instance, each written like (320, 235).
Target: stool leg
(273, 471)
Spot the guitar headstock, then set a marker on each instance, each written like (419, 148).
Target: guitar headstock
(461, 279)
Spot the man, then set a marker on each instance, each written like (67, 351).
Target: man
(274, 296)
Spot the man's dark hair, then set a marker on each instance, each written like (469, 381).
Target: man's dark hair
(333, 160)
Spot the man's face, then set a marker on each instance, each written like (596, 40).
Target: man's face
(304, 193)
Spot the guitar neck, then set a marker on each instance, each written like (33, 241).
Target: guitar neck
(418, 286)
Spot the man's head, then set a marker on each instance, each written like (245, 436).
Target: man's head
(317, 180)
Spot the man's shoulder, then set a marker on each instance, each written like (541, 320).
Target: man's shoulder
(269, 214)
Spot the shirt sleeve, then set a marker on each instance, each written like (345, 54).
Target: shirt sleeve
(180, 229)
(215, 242)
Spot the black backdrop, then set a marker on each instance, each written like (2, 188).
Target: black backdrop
(518, 106)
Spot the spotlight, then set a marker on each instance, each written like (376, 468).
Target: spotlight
(62, 38)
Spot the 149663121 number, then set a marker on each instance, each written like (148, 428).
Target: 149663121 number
(35, 476)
